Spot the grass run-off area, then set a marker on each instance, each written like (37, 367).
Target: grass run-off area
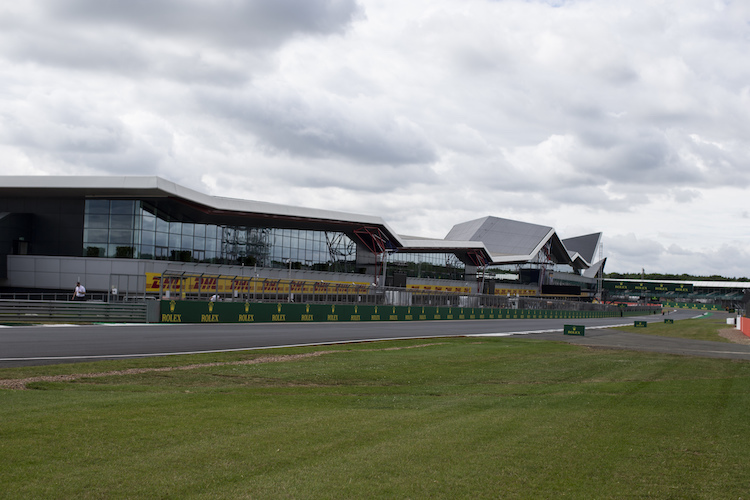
(704, 327)
(439, 418)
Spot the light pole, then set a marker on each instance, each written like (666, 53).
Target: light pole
(289, 277)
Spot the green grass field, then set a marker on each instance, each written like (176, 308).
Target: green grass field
(703, 328)
(445, 418)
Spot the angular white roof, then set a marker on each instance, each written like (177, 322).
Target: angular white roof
(510, 241)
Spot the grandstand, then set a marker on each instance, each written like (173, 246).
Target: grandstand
(724, 294)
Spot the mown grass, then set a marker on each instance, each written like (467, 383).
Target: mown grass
(706, 327)
(447, 418)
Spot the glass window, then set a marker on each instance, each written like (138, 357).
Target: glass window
(95, 235)
(146, 252)
(122, 207)
(94, 251)
(162, 239)
(96, 221)
(186, 243)
(121, 221)
(162, 226)
(121, 236)
(97, 206)
(148, 238)
(148, 222)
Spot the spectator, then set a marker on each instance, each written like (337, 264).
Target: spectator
(80, 292)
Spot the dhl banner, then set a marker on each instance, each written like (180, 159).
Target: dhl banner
(439, 288)
(229, 284)
(523, 292)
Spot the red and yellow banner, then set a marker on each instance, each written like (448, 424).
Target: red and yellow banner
(522, 292)
(440, 288)
(230, 284)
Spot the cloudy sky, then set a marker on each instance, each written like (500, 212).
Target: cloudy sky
(630, 118)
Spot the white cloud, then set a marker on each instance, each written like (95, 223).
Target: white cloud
(631, 119)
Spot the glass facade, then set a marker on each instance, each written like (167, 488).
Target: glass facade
(135, 229)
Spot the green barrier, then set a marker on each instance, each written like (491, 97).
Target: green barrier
(180, 311)
(574, 330)
(698, 307)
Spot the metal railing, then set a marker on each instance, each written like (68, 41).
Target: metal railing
(52, 296)
(47, 311)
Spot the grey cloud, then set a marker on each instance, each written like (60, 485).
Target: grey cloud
(593, 198)
(645, 158)
(167, 38)
(685, 195)
(133, 59)
(242, 24)
(322, 128)
(81, 51)
(58, 133)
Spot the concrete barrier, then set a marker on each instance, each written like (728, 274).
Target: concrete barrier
(744, 324)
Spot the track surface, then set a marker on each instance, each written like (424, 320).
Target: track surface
(38, 345)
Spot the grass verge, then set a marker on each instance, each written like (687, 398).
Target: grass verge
(449, 418)
(706, 327)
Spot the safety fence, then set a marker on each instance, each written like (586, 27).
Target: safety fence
(52, 296)
(51, 311)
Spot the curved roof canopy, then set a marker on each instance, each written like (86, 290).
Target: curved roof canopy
(185, 204)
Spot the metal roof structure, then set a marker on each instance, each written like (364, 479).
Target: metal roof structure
(510, 241)
(471, 252)
(593, 271)
(583, 246)
(192, 205)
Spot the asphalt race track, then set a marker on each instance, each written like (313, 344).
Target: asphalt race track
(38, 345)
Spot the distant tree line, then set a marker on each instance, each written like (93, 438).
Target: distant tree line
(674, 277)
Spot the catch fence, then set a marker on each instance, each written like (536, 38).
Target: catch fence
(195, 287)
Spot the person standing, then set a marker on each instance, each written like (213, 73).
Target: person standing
(80, 292)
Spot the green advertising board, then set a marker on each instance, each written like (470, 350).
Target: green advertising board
(669, 321)
(640, 324)
(574, 330)
(646, 288)
(697, 306)
(186, 311)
